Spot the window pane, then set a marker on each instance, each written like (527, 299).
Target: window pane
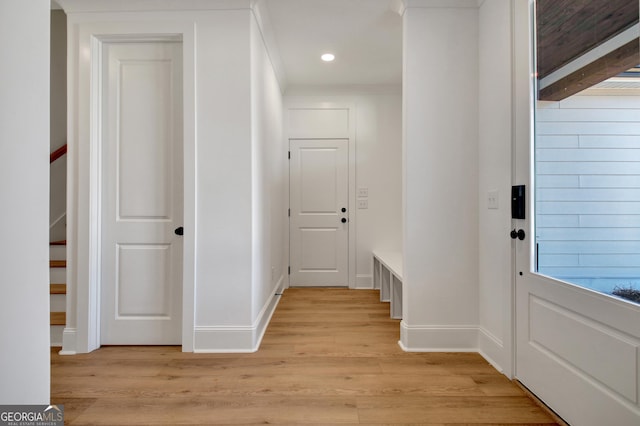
(588, 188)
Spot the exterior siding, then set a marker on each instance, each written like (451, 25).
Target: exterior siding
(588, 189)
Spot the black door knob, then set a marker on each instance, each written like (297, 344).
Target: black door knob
(343, 220)
(519, 234)
(179, 230)
(344, 210)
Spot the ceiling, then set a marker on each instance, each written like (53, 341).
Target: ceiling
(568, 28)
(581, 43)
(365, 36)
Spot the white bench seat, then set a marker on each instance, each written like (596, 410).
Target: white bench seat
(387, 277)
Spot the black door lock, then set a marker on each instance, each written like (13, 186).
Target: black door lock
(519, 234)
(179, 230)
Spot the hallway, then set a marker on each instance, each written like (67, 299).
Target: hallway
(329, 356)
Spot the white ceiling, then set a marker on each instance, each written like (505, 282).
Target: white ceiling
(365, 36)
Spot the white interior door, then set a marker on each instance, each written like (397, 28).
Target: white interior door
(319, 222)
(576, 349)
(142, 194)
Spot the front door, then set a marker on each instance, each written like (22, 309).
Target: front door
(577, 350)
(319, 216)
(141, 301)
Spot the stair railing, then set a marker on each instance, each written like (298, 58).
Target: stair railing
(58, 153)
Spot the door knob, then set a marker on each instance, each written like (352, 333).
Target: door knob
(344, 210)
(343, 220)
(519, 234)
(179, 230)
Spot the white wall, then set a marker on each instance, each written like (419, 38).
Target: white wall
(378, 137)
(58, 125)
(440, 104)
(224, 253)
(495, 175)
(233, 180)
(24, 185)
(268, 179)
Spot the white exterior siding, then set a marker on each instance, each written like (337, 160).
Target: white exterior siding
(588, 189)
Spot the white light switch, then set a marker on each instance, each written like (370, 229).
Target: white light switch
(363, 192)
(493, 200)
(363, 204)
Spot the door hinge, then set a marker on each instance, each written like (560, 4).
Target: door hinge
(289, 156)
(289, 213)
(289, 270)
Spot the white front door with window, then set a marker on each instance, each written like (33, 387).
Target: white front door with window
(319, 216)
(577, 350)
(141, 295)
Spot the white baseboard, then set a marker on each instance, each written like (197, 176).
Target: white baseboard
(281, 285)
(267, 312)
(69, 336)
(364, 282)
(491, 348)
(223, 340)
(438, 338)
(237, 339)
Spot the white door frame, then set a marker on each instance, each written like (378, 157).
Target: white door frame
(521, 119)
(345, 133)
(84, 186)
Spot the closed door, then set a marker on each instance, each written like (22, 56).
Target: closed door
(577, 350)
(141, 284)
(319, 222)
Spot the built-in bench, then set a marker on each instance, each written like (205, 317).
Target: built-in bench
(387, 277)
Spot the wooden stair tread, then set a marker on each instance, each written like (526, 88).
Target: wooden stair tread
(57, 263)
(57, 289)
(58, 243)
(58, 318)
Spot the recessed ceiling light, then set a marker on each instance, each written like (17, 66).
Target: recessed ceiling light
(328, 57)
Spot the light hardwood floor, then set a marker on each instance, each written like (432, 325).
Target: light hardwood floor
(329, 356)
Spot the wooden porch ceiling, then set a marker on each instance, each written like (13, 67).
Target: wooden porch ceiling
(567, 29)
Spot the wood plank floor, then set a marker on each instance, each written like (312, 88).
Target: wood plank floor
(329, 356)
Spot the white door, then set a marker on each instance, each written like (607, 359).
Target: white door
(142, 194)
(319, 222)
(577, 350)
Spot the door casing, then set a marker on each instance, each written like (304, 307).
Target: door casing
(82, 333)
(348, 132)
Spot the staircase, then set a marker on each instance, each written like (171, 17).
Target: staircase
(57, 249)
(57, 290)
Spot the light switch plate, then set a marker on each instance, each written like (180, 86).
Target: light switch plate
(363, 204)
(363, 192)
(493, 200)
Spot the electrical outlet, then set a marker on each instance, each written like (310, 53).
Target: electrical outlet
(493, 200)
(363, 192)
(363, 204)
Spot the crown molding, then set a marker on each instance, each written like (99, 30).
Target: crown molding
(82, 6)
(261, 14)
(400, 6)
